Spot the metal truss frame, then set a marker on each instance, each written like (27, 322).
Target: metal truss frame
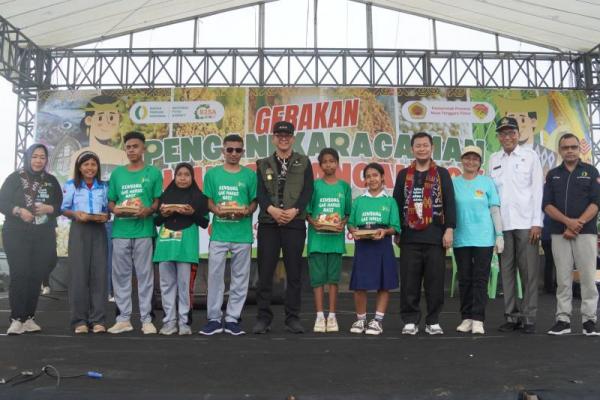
(31, 69)
(129, 68)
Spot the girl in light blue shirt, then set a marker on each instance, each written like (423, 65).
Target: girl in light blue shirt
(85, 202)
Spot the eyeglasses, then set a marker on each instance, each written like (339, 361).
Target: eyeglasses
(573, 147)
(283, 135)
(232, 149)
(506, 133)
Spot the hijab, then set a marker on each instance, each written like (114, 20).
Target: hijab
(191, 195)
(31, 181)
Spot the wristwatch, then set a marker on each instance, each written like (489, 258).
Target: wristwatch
(17, 211)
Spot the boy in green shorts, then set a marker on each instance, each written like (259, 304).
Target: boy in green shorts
(328, 212)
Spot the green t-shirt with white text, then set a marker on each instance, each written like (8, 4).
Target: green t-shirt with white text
(333, 202)
(381, 210)
(145, 185)
(222, 186)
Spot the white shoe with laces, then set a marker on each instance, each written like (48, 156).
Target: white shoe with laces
(358, 326)
(465, 326)
(15, 328)
(120, 327)
(478, 328)
(375, 328)
(148, 328)
(320, 325)
(332, 325)
(410, 329)
(31, 326)
(434, 329)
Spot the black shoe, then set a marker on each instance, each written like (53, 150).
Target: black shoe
(509, 327)
(529, 328)
(589, 328)
(261, 327)
(294, 326)
(560, 328)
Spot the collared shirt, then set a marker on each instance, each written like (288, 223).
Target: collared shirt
(519, 178)
(383, 193)
(82, 198)
(572, 192)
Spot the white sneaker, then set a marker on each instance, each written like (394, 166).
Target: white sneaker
(332, 325)
(45, 290)
(375, 328)
(434, 329)
(167, 329)
(111, 299)
(185, 330)
(358, 326)
(410, 329)
(320, 326)
(148, 328)
(465, 326)
(31, 326)
(478, 328)
(120, 327)
(15, 328)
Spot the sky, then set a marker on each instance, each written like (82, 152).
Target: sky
(347, 29)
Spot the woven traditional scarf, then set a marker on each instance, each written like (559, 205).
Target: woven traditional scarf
(414, 222)
(31, 185)
(31, 181)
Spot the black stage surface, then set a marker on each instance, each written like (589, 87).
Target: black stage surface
(309, 366)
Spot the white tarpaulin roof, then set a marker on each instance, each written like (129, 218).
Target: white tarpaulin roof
(564, 24)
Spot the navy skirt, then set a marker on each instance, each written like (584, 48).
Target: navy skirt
(375, 266)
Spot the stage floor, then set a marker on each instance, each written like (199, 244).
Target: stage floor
(308, 366)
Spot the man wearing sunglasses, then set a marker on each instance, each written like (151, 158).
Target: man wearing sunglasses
(285, 186)
(517, 172)
(571, 200)
(231, 192)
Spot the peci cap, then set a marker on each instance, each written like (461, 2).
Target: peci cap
(506, 122)
(283, 127)
(471, 149)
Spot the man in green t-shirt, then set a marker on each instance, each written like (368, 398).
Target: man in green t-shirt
(133, 193)
(231, 192)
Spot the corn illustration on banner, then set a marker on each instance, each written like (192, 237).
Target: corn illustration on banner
(363, 124)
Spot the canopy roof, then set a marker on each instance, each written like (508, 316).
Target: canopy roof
(571, 25)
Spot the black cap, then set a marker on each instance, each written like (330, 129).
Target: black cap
(283, 127)
(506, 122)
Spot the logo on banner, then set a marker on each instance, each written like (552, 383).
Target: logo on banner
(166, 112)
(444, 111)
(205, 112)
(141, 112)
(417, 110)
(480, 110)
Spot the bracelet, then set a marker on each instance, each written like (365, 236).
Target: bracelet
(499, 234)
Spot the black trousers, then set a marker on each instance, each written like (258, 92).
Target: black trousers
(549, 268)
(271, 240)
(28, 253)
(421, 264)
(473, 265)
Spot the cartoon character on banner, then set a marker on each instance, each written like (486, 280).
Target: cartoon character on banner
(101, 125)
(532, 116)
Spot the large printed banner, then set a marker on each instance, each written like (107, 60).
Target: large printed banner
(364, 125)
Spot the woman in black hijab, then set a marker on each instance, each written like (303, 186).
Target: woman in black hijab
(30, 199)
(182, 207)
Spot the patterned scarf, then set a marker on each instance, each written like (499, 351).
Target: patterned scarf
(433, 178)
(31, 185)
(31, 181)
